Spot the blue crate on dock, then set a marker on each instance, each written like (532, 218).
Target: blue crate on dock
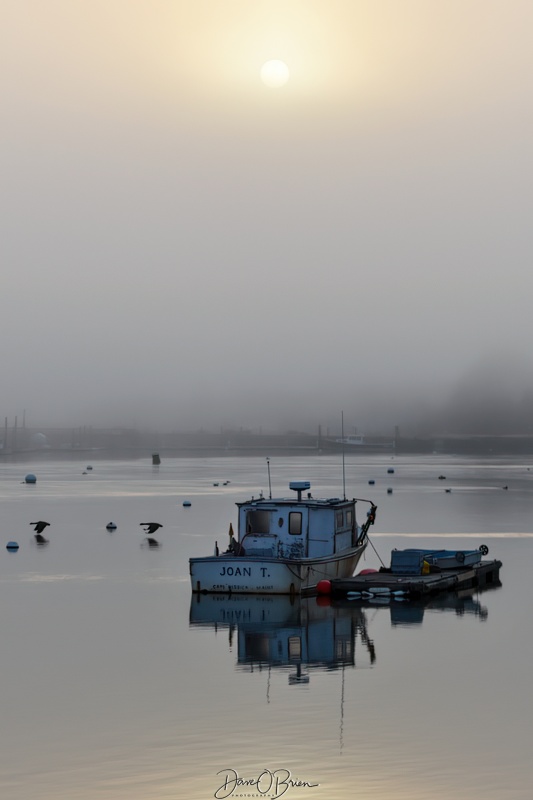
(407, 562)
(411, 561)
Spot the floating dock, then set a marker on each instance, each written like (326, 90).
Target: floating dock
(483, 574)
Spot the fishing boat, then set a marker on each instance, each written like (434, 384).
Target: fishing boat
(286, 545)
(352, 440)
(358, 443)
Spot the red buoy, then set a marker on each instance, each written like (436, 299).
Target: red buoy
(323, 587)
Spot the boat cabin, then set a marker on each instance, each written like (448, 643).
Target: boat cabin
(297, 527)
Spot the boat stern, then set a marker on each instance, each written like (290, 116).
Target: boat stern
(227, 574)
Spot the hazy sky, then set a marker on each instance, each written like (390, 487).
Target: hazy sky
(182, 245)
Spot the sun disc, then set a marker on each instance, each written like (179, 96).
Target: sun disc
(274, 73)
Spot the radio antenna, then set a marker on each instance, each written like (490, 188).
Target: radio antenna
(269, 483)
(343, 464)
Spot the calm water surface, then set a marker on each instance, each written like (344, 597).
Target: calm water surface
(116, 684)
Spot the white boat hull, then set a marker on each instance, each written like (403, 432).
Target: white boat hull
(259, 575)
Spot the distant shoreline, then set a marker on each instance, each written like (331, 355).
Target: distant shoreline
(263, 446)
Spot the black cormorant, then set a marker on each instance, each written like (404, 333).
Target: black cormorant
(150, 527)
(40, 526)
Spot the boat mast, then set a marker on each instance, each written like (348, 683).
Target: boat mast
(343, 464)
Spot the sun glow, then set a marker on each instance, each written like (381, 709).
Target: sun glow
(275, 73)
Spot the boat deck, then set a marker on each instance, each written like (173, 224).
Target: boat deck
(484, 574)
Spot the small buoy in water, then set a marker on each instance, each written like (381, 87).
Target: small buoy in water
(390, 471)
(30, 478)
(12, 546)
(371, 482)
(447, 491)
(186, 503)
(156, 460)
(215, 484)
(89, 467)
(323, 587)
(442, 477)
(389, 490)
(111, 526)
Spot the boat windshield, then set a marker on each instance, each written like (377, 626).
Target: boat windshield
(258, 522)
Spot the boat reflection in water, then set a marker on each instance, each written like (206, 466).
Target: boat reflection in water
(301, 634)
(460, 604)
(405, 613)
(297, 635)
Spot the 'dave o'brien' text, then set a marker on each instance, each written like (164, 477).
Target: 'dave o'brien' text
(271, 784)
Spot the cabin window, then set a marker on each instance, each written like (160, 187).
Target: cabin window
(349, 518)
(295, 523)
(340, 519)
(258, 522)
(295, 648)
